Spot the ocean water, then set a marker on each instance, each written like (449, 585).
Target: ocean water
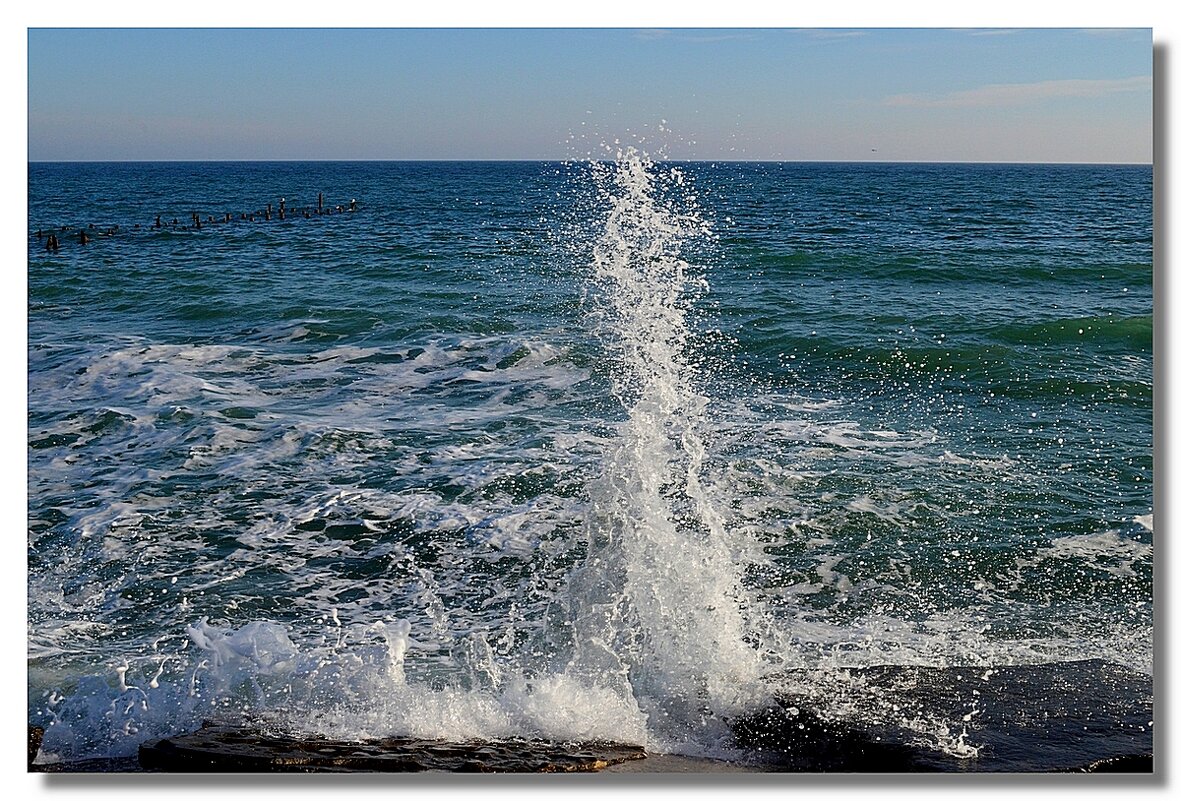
(615, 449)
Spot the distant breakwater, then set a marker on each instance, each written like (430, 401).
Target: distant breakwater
(52, 237)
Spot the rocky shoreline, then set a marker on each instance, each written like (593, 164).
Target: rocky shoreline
(1089, 716)
(260, 755)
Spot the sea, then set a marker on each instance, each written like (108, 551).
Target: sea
(607, 449)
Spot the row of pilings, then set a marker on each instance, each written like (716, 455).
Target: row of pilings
(52, 237)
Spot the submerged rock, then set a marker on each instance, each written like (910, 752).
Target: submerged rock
(1086, 716)
(232, 749)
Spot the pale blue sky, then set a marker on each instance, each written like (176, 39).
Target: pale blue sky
(827, 94)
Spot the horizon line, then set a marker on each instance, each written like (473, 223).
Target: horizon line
(566, 160)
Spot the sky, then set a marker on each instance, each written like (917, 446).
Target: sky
(769, 93)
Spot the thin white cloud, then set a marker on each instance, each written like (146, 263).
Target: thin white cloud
(994, 32)
(1021, 94)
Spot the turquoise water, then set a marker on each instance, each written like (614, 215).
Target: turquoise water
(575, 450)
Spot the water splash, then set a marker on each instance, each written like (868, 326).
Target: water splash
(659, 604)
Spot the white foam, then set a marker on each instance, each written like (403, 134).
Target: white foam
(349, 683)
(1106, 551)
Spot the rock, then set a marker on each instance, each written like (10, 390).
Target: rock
(35, 735)
(791, 738)
(225, 748)
(1125, 764)
(1086, 716)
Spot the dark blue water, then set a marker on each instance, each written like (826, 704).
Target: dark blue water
(342, 450)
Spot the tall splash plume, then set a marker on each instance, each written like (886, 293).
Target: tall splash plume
(659, 603)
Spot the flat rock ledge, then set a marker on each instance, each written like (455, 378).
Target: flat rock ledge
(223, 748)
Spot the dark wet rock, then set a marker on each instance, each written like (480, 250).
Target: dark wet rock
(232, 749)
(1087, 716)
(35, 735)
(788, 738)
(1124, 764)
